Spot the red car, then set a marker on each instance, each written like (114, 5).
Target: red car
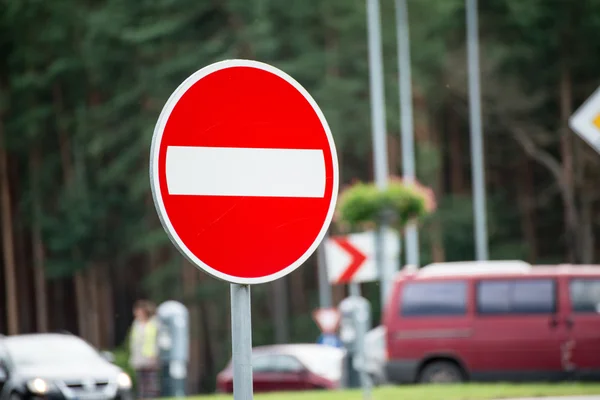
(290, 367)
(498, 320)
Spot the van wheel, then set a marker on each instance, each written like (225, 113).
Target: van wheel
(441, 372)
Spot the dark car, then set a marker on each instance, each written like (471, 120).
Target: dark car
(57, 367)
(290, 367)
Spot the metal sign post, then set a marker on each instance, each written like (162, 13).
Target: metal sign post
(241, 153)
(362, 322)
(354, 289)
(380, 151)
(477, 148)
(173, 343)
(406, 123)
(356, 320)
(241, 341)
(325, 299)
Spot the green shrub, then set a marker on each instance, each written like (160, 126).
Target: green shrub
(122, 360)
(365, 204)
(121, 355)
(359, 204)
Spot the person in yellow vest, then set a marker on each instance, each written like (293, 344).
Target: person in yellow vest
(144, 349)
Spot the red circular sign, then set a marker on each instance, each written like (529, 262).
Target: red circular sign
(244, 171)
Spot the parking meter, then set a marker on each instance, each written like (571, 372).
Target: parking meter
(355, 322)
(173, 345)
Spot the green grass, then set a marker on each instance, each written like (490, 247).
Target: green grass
(438, 392)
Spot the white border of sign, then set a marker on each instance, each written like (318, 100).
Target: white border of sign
(582, 120)
(155, 184)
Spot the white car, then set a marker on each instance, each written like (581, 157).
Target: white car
(375, 349)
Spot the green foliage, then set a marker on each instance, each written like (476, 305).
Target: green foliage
(359, 204)
(121, 354)
(304, 329)
(122, 361)
(365, 203)
(406, 201)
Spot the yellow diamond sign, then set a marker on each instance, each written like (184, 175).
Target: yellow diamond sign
(597, 121)
(585, 122)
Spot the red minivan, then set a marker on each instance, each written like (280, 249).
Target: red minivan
(496, 320)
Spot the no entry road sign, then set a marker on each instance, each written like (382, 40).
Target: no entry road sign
(244, 171)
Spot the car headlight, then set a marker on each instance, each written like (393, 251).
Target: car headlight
(124, 381)
(38, 386)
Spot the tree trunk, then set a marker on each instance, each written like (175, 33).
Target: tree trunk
(587, 227)
(80, 294)
(437, 230)
(437, 244)
(394, 156)
(57, 294)
(22, 262)
(10, 278)
(279, 301)
(566, 147)
(457, 177)
(93, 304)
(190, 283)
(68, 175)
(297, 291)
(37, 245)
(338, 293)
(215, 342)
(526, 201)
(205, 364)
(106, 315)
(428, 138)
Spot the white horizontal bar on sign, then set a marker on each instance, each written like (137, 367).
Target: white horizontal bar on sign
(233, 171)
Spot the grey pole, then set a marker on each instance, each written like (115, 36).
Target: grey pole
(354, 289)
(377, 94)
(406, 120)
(280, 308)
(324, 287)
(361, 354)
(380, 156)
(477, 163)
(241, 343)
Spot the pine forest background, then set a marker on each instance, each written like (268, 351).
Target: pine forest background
(82, 83)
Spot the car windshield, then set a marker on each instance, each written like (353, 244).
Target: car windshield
(52, 349)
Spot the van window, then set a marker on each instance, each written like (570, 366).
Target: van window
(523, 296)
(434, 299)
(585, 295)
